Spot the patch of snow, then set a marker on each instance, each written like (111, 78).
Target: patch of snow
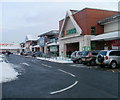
(7, 73)
(57, 59)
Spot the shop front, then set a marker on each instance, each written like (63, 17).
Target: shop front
(106, 41)
(110, 38)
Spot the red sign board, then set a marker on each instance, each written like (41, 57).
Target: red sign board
(116, 43)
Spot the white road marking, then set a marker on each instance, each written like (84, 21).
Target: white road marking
(25, 64)
(66, 72)
(62, 90)
(47, 65)
(81, 66)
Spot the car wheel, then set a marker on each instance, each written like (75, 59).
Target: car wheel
(88, 64)
(80, 61)
(92, 62)
(74, 61)
(101, 66)
(101, 58)
(113, 64)
(84, 63)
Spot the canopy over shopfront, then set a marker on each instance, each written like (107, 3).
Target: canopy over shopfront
(53, 44)
(107, 36)
(36, 46)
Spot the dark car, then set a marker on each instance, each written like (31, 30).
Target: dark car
(76, 57)
(26, 53)
(89, 57)
(38, 54)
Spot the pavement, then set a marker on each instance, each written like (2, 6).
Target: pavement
(44, 79)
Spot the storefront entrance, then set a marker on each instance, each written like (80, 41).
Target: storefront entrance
(71, 47)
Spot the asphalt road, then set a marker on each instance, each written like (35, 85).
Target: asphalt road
(44, 79)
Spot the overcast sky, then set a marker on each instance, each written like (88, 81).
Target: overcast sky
(22, 18)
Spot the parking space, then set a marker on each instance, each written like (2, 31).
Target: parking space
(96, 67)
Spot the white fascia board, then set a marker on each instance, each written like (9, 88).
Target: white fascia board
(63, 25)
(69, 13)
(62, 38)
(107, 36)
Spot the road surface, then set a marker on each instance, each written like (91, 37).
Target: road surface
(44, 79)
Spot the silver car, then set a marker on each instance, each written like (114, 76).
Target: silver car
(108, 57)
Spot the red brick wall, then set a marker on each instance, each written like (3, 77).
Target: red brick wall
(60, 24)
(90, 17)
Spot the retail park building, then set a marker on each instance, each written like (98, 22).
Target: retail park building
(78, 28)
(84, 30)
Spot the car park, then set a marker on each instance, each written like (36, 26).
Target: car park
(89, 57)
(110, 58)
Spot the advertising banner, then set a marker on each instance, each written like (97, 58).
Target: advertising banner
(42, 41)
(116, 44)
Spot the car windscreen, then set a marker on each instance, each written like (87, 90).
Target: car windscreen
(102, 53)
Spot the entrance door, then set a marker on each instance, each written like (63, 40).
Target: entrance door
(71, 47)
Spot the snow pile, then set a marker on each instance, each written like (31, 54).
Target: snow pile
(7, 73)
(57, 59)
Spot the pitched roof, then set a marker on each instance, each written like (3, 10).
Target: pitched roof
(109, 19)
(52, 32)
(70, 15)
(31, 38)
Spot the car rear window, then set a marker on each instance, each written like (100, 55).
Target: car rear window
(85, 53)
(115, 53)
(103, 53)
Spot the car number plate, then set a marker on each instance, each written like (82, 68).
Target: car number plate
(83, 59)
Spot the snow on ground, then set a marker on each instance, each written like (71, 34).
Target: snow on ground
(7, 72)
(57, 59)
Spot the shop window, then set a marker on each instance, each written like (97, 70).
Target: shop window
(93, 30)
(93, 45)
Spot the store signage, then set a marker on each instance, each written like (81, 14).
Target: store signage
(71, 31)
(116, 42)
(53, 49)
(42, 41)
(86, 48)
(9, 44)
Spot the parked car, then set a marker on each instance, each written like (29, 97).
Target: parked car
(26, 53)
(89, 57)
(21, 53)
(29, 53)
(73, 56)
(76, 57)
(38, 54)
(110, 58)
